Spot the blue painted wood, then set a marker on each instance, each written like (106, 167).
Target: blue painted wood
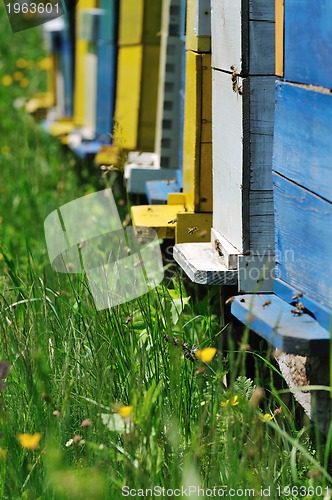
(288, 293)
(157, 191)
(302, 137)
(303, 240)
(276, 323)
(67, 65)
(109, 20)
(106, 83)
(87, 149)
(308, 42)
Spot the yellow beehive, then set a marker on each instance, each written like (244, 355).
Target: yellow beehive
(140, 22)
(136, 98)
(197, 148)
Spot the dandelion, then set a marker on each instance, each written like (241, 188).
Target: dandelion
(3, 453)
(24, 82)
(7, 80)
(5, 150)
(45, 63)
(125, 411)
(21, 63)
(206, 355)
(29, 441)
(18, 75)
(1, 256)
(266, 417)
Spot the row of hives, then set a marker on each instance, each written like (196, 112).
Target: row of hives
(235, 161)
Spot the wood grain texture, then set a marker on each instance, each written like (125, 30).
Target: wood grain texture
(197, 149)
(308, 42)
(303, 240)
(140, 22)
(255, 273)
(239, 40)
(302, 144)
(203, 265)
(276, 323)
(242, 161)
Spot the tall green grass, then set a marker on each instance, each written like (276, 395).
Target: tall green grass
(69, 362)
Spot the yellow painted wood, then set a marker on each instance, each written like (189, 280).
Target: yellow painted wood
(197, 148)
(193, 227)
(193, 42)
(158, 217)
(39, 102)
(176, 199)
(108, 155)
(61, 127)
(279, 6)
(136, 97)
(140, 22)
(81, 48)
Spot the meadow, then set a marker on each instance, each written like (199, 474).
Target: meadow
(131, 401)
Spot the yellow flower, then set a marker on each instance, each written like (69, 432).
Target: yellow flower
(24, 82)
(3, 453)
(266, 417)
(6, 80)
(125, 411)
(30, 441)
(18, 75)
(21, 63)
(5, 150)
(206, 355)
(1, 256)
(233, 401)
(45, 63)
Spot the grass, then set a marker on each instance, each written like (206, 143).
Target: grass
(110, 394)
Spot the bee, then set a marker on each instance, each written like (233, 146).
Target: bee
(297, 296)
(229, 300)
(242, 300)
(192, 230)
(82, 245)
(217, 247)
(300, 306)
(296, 312)
(235, 84)
(172, 221)
(266, 303)
(202, 234)
(128, 320)
(168, 181)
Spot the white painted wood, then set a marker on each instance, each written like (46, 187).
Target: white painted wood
(240, 41)
(230, 253)
(227, 119)
(255, 273)
(203, 18)
(203, 265)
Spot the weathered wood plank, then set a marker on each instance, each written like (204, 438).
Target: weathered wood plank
(308, 42)
(242, 41)
(242, 161)
(278, 325)
(261, 10)
(255, 273)
(203, 265)
(303, 240)
(302, 144)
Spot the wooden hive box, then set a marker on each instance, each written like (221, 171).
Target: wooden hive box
(243, 111)
(299, 320)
